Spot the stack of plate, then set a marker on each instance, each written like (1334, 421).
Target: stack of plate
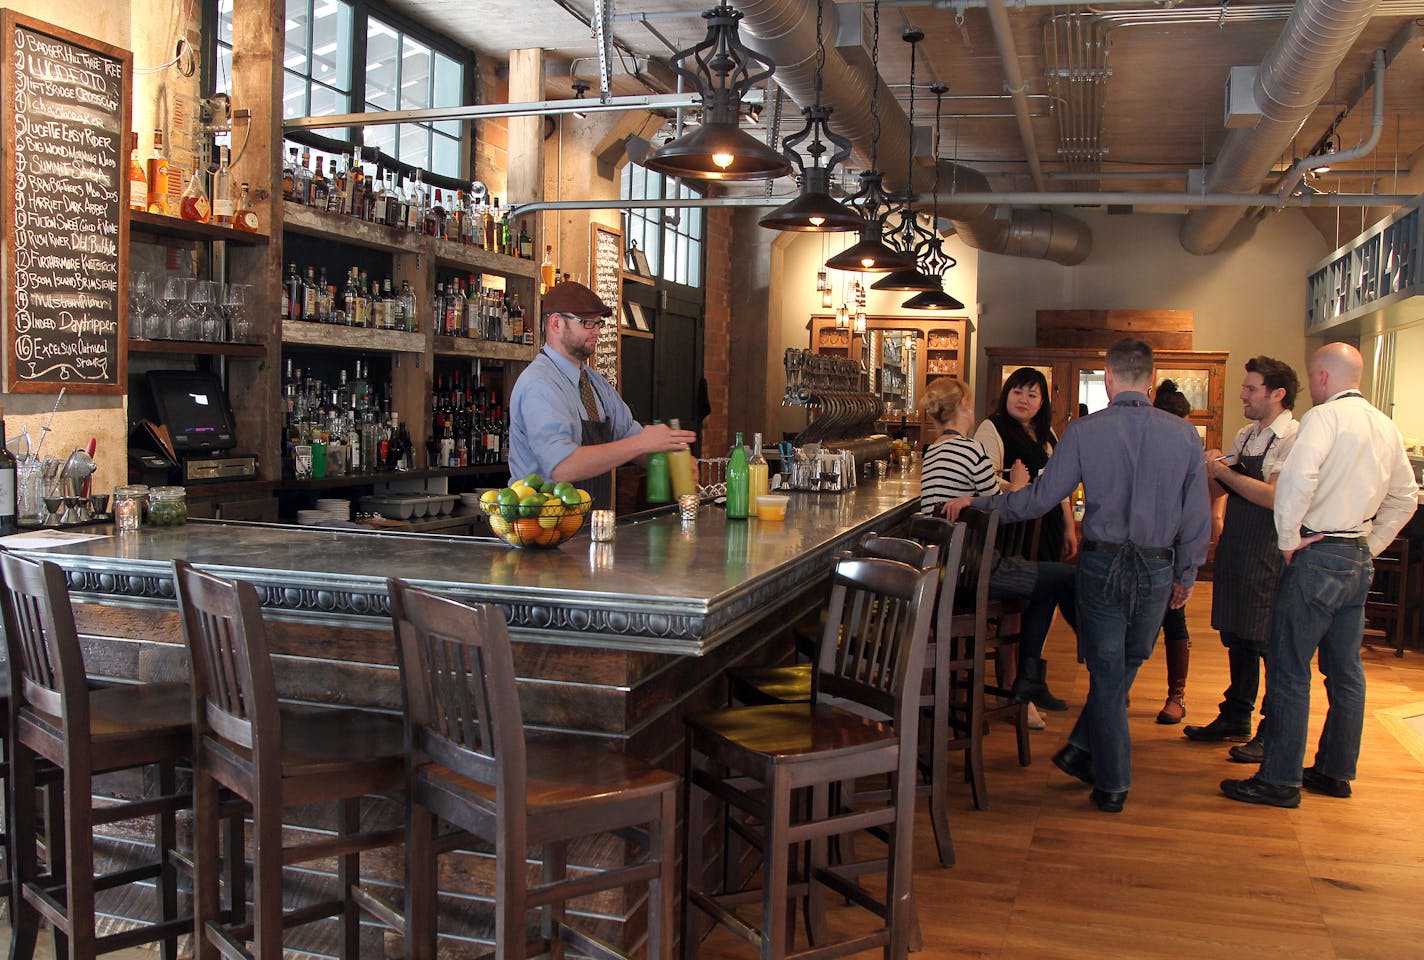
(338, 509)
(313, 518)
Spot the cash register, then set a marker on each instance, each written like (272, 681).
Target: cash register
(194, 436)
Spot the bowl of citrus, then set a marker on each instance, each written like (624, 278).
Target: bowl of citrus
(536, 513)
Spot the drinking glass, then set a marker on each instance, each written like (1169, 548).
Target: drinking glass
(235, 309)
(182, 320)
(202, 296)
(140, 302)
(153, 320)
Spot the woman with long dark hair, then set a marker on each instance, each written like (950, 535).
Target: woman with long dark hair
(1178, 642)
(1020, 430)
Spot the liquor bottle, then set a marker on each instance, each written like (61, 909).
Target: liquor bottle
(8, 524)
(309, 296)
(659, 482)
(325, 302)
(194, 205)
(526, 242)
(356, 187)
(304, 178)
(246, 216)
(738, 483)
(158, 177)
(407, 298)
(289, 175)
(138, 182)
(491, 225)
(320, 188)
(391, 306)
(518, 333)
(433, 223)
(547, 270)
(222, 191)
(291, 294)
(681, 469)
(757, 472)
(376, 208)
(338, 200)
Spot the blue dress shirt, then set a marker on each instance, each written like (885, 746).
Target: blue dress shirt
(1144, 480)
(546, 414)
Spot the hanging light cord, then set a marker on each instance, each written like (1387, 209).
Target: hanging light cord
(820, 49)
(939, 91)
(875, 86)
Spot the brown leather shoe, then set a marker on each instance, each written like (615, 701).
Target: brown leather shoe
(1172, 711)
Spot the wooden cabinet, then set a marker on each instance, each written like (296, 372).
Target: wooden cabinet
(1076, 376)
(900, 355)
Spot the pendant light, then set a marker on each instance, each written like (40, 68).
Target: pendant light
(908, 235)
(870, 254)
(814, 209)
(932, 258)
(724, 71)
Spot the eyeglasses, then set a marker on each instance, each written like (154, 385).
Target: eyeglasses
(594, 324)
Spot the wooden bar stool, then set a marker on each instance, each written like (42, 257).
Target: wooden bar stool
(1388, 606)
(469, 767)
(55, 717)
(778, 766)
(273, 756)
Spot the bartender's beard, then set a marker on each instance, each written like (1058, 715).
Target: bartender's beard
(574, 340)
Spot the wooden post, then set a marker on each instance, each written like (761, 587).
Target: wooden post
(525, 181)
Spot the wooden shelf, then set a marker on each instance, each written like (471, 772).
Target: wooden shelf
(201, 347)
(635, 334)
(488, 349)
(161, 228)
(639, 278)
(302, 333)
(461, 256)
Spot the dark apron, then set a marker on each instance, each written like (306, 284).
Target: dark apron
(1247, 564)
(600, 488)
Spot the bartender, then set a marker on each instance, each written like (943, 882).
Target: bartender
(566, 421)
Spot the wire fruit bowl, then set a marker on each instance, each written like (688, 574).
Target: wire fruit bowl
(541, 527)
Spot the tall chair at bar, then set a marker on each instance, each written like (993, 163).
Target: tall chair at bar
(470, 768)
(778, 766)
(55, 717)
(273, 756)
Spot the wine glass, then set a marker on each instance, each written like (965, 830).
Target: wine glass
(140, 302)
(180, 321)
(201, 298)
(235, 308)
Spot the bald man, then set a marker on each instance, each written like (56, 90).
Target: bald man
(1343, 494)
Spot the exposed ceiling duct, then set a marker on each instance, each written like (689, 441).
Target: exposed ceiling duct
(785, 31)
(1294, 76)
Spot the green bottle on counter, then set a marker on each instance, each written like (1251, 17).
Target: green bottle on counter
(659, 483)
(739, 484)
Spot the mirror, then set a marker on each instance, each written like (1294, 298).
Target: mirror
(893, 358)
(1092, 390)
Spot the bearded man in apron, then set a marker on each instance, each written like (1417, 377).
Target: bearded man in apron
(566, 421)
(1247, 564)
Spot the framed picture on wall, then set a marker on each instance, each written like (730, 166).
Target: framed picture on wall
(635, 317)
(636, 261)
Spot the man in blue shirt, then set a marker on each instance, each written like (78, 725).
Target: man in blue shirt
(566, 421)
(1146, 527)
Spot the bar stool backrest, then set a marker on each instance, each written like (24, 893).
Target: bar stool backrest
(1020, 539)
(234, 692)
(457, 671)
(949, 538)
(873, 647)
(981, 529)
(916, 554)
(46, 665)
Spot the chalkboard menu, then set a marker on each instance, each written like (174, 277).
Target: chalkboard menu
(64, 109)
(606, 273)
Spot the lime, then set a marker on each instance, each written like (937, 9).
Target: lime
(562, 489)
(547, 487)
(533, 480)
(571, 498)
(532, 505)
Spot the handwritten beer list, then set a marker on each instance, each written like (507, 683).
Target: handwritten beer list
(65, 114)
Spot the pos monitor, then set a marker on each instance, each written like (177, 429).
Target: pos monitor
(194, 408)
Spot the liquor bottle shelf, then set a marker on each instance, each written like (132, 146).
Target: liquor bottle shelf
(486, 349)
(302, 333)
(493, 471)
(200, 347)
(460, 256)
(162, 227)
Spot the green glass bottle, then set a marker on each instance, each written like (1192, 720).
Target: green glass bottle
(739, 484)
(659, 482)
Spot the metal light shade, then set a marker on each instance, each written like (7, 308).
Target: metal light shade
(870, 254)
(814, 210)
(911, 279)
(718, 151)
(932, 300)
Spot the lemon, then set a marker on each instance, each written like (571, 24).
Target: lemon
(522, 490)
(489, 496)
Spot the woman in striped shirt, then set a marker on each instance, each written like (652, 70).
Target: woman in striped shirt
(956, 465)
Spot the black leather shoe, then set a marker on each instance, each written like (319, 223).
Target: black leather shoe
(1076, 762)
(1313, 779)
(1218, 730)
(1109, 802)
(1259, 791)
(1252, 751)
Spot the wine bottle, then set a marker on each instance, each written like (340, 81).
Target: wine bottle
(659, 483)
(7, 484)
(138, 181)
(757, 472)
(738, 483)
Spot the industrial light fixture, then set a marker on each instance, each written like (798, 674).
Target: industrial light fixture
(842, 317)
(814, 209)
(860, 321)
(932, 258)
(725, 70)
(908, 235)
(580, 89)
(870, 254)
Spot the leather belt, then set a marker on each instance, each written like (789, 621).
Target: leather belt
(1151, 553)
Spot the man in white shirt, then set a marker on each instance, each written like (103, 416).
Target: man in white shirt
(1344, 493)
(1248, 565)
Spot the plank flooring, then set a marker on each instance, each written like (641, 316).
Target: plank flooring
(1183, 873)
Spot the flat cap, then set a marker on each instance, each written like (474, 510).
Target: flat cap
(569, 296)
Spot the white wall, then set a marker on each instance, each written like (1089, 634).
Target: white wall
(1408, 384)
(1248, 301)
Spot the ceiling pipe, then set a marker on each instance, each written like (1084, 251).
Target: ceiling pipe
(1016, 85)
(784, 30)
(1295, 75)
(1361, 149)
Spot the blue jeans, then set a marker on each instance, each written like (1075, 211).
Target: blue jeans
(1119, 614)
(1046, 587)
(1320, 605)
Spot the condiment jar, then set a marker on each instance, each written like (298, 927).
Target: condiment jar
(129, 504)
(167, 506)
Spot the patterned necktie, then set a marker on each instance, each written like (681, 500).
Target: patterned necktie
(590, 406)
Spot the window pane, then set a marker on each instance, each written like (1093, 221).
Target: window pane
(325, 102)
(449, 90)
(414, 145)
(294, 95)
(223, 83)
(297, 42)
(694, 264)
(382, 65)
(415, 75)
(382, 138)
(445, 155)
(225, 22)
(331, 44)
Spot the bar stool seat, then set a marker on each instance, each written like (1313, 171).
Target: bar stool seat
(159, 713)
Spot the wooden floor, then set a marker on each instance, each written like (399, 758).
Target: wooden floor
(1183, 873)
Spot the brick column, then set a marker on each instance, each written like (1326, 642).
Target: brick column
(717, 330)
